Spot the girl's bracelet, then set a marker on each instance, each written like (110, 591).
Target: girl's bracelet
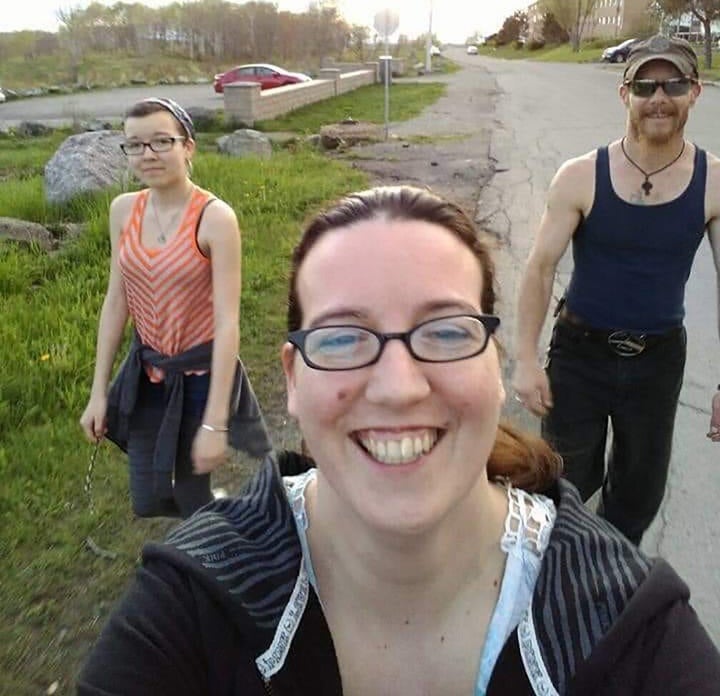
(215, 428)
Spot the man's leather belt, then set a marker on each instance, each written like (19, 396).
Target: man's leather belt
(626, 344)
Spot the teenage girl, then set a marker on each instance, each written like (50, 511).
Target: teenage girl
(175, 272)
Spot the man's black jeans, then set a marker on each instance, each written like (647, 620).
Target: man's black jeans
(592, 386)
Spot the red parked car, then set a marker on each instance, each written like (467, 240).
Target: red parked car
(267, 75)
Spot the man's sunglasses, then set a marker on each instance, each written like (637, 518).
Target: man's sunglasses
(674, 87)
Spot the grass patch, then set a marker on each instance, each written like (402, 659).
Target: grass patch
(443, 65)
(101, 69)
(23, 158)
(407, 100)
(562, 53)
(56, 591)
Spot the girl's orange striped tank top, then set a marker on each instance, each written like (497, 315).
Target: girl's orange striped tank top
(168, 288)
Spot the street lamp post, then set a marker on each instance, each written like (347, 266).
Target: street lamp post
(386, 23)
(428, 42)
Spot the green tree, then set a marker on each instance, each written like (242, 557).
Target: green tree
(74, 38)
(552, 32)
(513, 28)
(706, 11)
(572, 15)
(228, 32)
(357, 40)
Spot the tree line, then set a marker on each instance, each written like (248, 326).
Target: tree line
(570, 20)
(212, 30)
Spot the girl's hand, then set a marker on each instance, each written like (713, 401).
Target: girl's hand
(209, 450)
(93, 420)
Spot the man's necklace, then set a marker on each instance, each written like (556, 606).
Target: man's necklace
(163, 232)
(647, 185)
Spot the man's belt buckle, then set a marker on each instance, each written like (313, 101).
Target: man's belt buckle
(626, 344)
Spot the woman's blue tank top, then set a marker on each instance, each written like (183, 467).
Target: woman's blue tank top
(632, 262)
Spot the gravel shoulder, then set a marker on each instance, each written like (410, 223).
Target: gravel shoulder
(446, 148)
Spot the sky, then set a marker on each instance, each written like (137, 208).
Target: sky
(452, 20)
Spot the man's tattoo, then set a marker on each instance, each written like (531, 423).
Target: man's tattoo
(638, 198)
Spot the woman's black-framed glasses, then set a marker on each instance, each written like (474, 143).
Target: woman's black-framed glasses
(163, 143)
(673, 87)
(349, 347)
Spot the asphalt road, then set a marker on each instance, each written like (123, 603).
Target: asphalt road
(102, 104)
(544, 114)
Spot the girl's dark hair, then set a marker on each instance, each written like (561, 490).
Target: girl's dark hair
(525, 459)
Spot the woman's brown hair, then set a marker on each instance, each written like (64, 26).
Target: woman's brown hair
(524, 459)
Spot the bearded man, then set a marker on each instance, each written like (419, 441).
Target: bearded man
(635, 212)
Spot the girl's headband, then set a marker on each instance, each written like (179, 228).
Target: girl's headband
(182, 116)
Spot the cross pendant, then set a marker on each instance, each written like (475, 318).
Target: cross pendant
(647, 186)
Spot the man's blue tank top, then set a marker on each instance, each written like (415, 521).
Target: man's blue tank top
(632, 262)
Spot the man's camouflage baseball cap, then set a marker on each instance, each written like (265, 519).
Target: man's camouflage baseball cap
(671, 49)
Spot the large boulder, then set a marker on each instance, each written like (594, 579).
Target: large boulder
(26, 233)
(245, 142)
(85, 163)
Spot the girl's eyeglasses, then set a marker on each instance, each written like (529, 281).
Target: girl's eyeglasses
(163, 143)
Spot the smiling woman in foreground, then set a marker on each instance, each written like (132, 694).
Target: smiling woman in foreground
(420, 547)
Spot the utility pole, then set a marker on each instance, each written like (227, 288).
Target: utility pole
(428, 42)
(386, 23)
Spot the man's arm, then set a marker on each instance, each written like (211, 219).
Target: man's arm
(562, 214)
(714, 239)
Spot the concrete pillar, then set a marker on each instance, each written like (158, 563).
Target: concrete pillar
(241, 102)
(330, 74)
(386, 69)
(375, 67)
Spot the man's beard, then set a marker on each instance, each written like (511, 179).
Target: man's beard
(637, 131)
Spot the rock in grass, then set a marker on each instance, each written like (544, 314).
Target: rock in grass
(85, 163)
(26, 233)
(349, 133)
(31, 129)
(245, 142)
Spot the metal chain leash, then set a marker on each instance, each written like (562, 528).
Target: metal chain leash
(88, 488)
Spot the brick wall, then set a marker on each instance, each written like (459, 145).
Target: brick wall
(353, 80)
(246, 103)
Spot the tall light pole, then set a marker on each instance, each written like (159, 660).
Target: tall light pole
(386, 23)
(428, 42)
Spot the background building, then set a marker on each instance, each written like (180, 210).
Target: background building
(617, 19)
(610, 19)
(535, 16)
(623, 19)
